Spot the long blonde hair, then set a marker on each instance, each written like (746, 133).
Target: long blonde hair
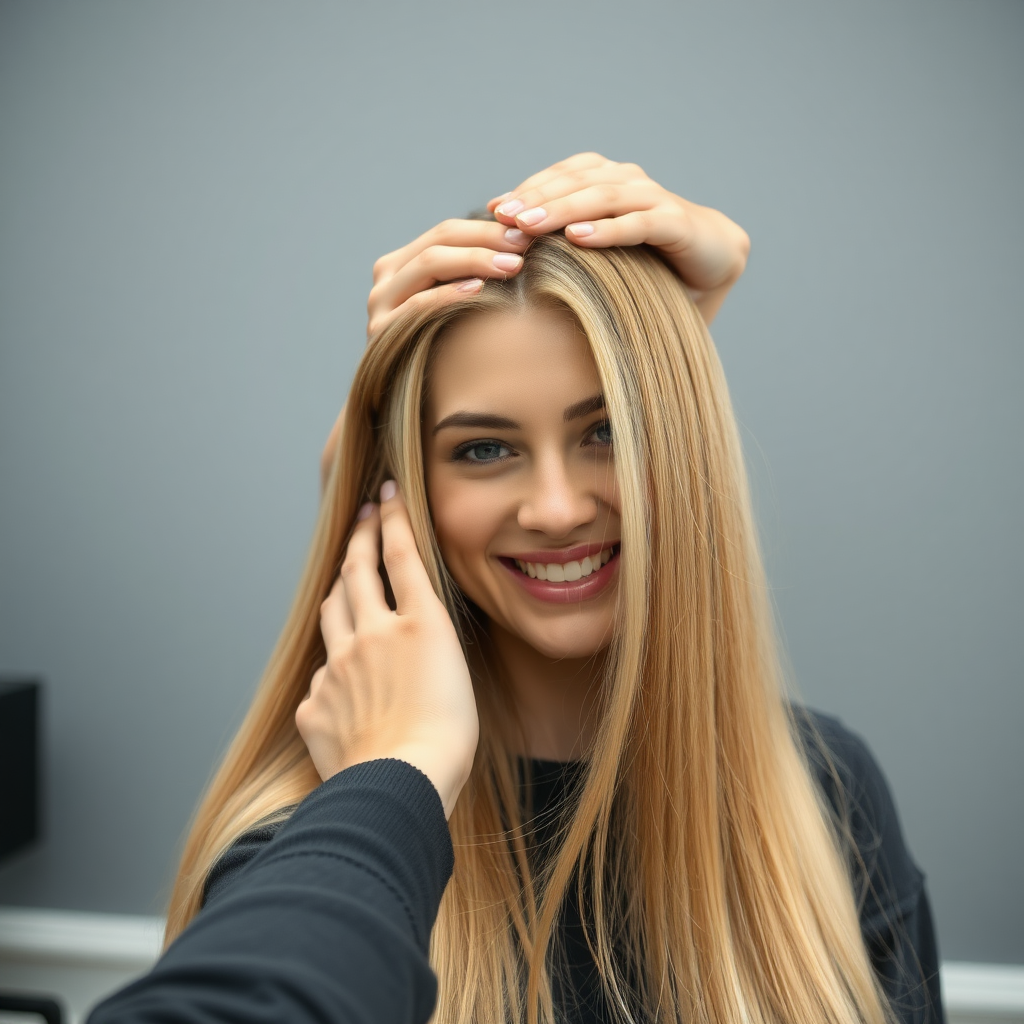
(715, 887)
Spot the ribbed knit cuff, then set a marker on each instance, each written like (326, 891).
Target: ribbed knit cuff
(388, 817)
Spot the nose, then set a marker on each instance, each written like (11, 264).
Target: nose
(556, 501)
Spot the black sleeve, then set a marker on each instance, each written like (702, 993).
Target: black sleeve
(329, 919)
(895, 915)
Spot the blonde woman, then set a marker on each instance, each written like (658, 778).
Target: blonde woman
(568, 655)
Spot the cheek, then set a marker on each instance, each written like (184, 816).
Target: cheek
(465, 523)
(604, 484)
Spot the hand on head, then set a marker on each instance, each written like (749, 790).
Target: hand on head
(601, 203)
(598, 203)
(396, 683)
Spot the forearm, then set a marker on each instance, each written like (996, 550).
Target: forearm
(330, 921)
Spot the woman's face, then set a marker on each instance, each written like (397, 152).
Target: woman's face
(520, 478)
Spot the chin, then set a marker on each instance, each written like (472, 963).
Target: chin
(569, 640)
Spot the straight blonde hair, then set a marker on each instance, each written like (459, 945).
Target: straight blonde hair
(714, 881)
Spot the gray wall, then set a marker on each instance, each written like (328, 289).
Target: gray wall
(191, 196)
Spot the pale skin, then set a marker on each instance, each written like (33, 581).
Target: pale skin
(533, 491)
(528, 478)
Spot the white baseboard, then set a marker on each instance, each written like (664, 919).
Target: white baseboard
(69, 936)
(983, 991)
(77, 958)
(83, 957)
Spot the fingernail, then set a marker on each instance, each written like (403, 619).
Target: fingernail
(507, 261)
(516, 237)
(388, 490)
(472, 285)
(365, 512)
(581, 230)
(531, 217)
(511, 208)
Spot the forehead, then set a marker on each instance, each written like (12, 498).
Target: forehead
(506, 359)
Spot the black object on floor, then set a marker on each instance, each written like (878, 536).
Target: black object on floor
(19, 765)
(48, 1009)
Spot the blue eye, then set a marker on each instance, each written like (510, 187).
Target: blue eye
(602, 433)
(482, 451)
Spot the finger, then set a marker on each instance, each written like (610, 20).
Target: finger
(630, 229)
(464, 234)
(336, 622)
(559, 185)
(596, 202)
(363, 586)
(440, 295)
(436, 265)
(578, 162)
(566, 181)
(409, 580)
(653, 227)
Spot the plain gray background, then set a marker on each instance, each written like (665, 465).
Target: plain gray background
(191, 198)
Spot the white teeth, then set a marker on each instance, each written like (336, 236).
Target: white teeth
(562, 572)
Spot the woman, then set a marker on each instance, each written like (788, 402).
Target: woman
(580, 660)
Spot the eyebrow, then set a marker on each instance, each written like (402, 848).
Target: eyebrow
(584, 408)
(489, 421)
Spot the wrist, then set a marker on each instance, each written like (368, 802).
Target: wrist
(447, 771)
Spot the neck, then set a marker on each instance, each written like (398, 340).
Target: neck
(555, 699)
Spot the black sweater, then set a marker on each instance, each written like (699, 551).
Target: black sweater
(326, 917)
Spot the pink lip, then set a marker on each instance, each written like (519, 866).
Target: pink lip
(565, 593)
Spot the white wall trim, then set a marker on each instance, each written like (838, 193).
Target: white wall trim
(983, 989)
(115, 940)
(133, 943)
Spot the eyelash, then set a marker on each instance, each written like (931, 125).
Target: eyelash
(460, 453)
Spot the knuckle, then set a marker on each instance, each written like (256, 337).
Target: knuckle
(446, 230)
(397, 557)
(338, 661)
(369, 640)
(408, 627)
(431, 257)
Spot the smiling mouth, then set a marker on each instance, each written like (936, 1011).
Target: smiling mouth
(564, 572)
